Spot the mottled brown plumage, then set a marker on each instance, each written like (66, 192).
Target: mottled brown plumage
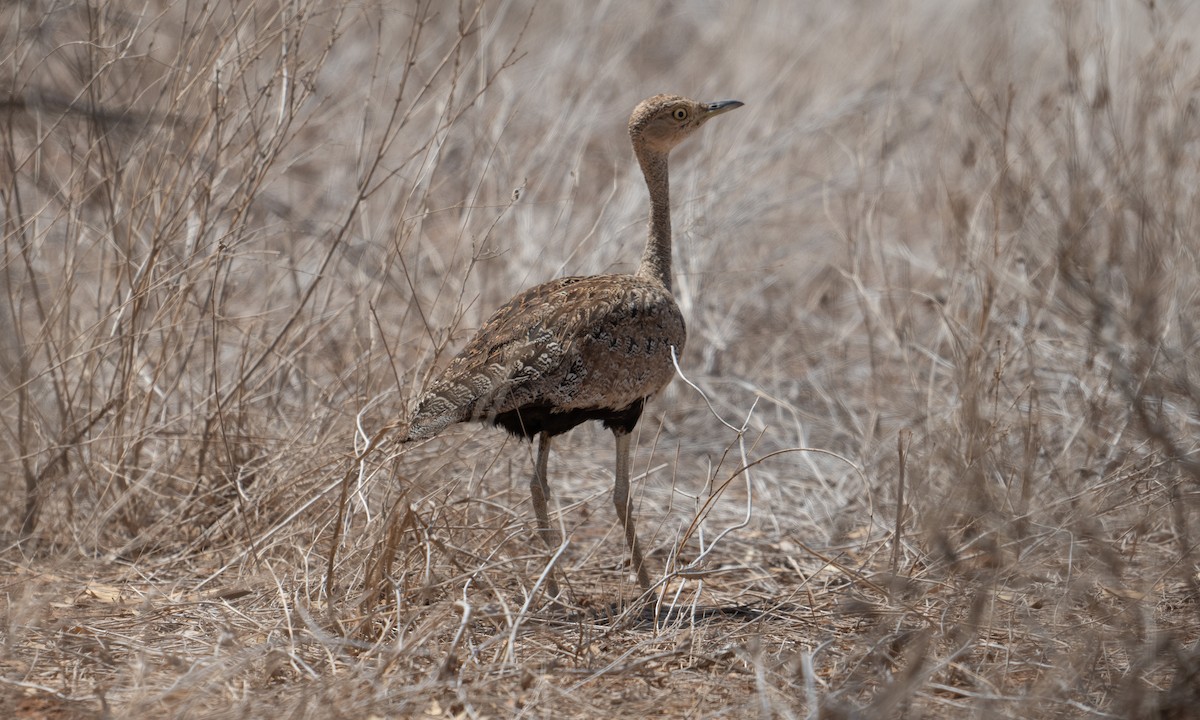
(581, 348)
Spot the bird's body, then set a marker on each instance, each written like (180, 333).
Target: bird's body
(580, 348)
(559, 354)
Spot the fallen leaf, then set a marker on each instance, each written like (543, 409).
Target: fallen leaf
(103, 593)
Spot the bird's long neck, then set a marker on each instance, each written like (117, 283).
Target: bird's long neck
(656, 259)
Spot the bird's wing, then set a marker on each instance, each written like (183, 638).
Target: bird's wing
(502, 365)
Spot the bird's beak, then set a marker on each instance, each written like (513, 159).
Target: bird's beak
(714, 109)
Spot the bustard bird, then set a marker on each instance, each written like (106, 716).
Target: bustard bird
(581, 348)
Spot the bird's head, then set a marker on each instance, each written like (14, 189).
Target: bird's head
(663, 121)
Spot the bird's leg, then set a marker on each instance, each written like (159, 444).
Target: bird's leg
(625, 509)
(539, 492)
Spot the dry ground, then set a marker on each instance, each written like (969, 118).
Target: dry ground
(938, 458)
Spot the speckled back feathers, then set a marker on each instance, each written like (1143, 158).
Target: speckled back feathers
(574, 343)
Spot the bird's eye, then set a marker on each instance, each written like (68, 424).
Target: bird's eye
(680, 114)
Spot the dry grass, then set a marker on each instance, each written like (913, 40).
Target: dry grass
(950, 247)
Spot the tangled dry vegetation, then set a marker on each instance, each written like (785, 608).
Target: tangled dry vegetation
(937, 458)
